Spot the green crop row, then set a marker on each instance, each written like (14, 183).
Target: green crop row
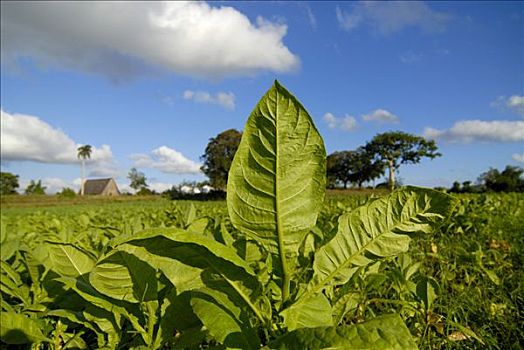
(475, 260)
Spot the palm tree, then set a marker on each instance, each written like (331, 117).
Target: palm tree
(83, 153)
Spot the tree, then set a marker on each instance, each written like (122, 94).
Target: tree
(365, 168)
(83, 153)
(455, 188)
(352, 166)
(8, 183)
(338, 167)
(396, 147)
(66, 193)
(35, 188)
(509, 180)
(218, 156)
(138, 180)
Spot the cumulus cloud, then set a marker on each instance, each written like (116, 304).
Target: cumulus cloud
(166, 160)
(105, 169)
(55, 185)
(479, 130)
(28, 138)
(518, 157)
(158, 187)
(382, 116)
(346, 123)
(389, 17)
(224, 99)
(123, 40)
(52, 184)
(514, 103)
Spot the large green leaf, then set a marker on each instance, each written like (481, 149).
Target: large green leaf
(184, 277)
(382, 333)
(276, 183)
(68, 260)
(378, 229)
(307, 313)
(277, 179)
(177, 318)
(11, 283)
(112, 311)
(19, 329)
(219, 266)
(123, 276)
(224, 320)
(9, 248)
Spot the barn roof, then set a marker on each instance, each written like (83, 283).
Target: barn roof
(95, 186)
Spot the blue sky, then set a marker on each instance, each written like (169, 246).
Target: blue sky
(147, 84)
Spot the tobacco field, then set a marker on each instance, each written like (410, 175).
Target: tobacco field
(279, 265)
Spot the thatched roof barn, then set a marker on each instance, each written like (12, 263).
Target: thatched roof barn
(101, 187)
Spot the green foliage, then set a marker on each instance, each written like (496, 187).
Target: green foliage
(35, 188)
(84, 152)
(218, 156)
(484, 239)
(508, 180)
(8, 183)
(144, 191)
(352, 167)
(396, 147)
(67, 193)
(138, 180)
(19, 329)
(277, 179)
(384, 332)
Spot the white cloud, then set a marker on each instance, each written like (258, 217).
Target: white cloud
(331, 120)
(52, 184)
(166, 160)
(388, 17)
(514, 103)
(478, 130)
(381, 115)
(224, 99)
(123, 40)
(346, 123)
(105, 169)
(518, 157)
(160, 187)
(124, 187)
(55, 185)
(28, 138)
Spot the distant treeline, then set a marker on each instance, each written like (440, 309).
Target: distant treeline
(508, 180)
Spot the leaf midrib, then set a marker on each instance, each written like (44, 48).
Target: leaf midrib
(332, 275)
(280, 231)
(233, 285)
(73, 263)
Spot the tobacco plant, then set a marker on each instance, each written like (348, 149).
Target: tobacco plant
(276, 281)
